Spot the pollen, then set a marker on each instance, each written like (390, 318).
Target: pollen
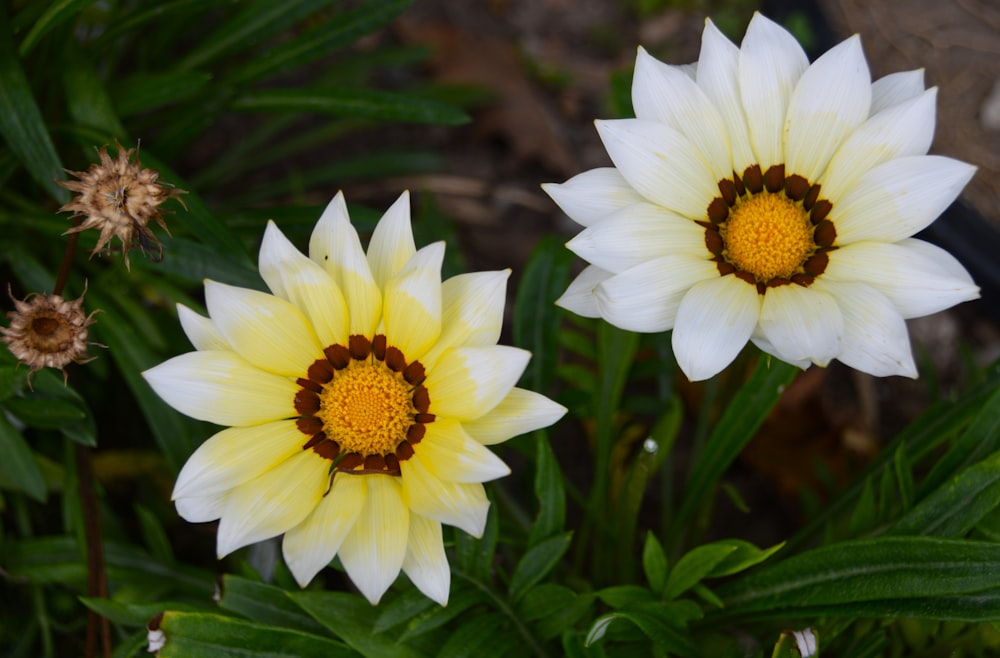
(366, 409)
(768, 236)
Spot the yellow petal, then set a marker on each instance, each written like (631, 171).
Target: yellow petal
(426, 563)
(463, 505)
(467, 382)
(519, 413)
(471, 312)
(201, 331)
(452, 455)
(412, 311)
(391, 245)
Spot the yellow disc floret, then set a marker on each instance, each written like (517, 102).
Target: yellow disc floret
(768, 236)
(366, 409)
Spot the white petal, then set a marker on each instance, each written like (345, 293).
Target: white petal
(335, 245)
(391, 245)
(467, 382)
(661, 92)
(201, 331)
(636, 234)
(265, 330)
(802, 324)
(875, 338)
(373, 551)
(944, 260)
(579, 296)
(412, 310)
(201, 509)
(771, 62)
(426, 563)
(661, 164)
(899, 198)
(913, 280)
(903, 130)
(896, 88)
(452, 455)
(646, 297)
(309, 546)
(714, 321)
(766, 346)
(831, 99)
(222, 388)
(237, 454)
(519, 413)
(592, 195)
(294, 277)
(718, 77)
(273, 502)
(463, 505)
(471, 312)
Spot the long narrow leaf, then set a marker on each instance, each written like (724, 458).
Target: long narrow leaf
(351, 103)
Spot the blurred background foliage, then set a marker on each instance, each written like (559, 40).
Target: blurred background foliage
(615, 535)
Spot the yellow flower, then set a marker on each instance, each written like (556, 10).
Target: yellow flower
(361, 397)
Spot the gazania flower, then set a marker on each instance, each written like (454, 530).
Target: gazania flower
(48, 331)
(758, 197)
(361, 395)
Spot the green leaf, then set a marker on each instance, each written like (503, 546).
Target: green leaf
(550, 491)
(744, 556)
(954, 508)
(136, 614)
(461, 599)
(904, 477)
(542, 600)
(474, 555)
(694, 566)
(743, 416)
(624, 596)
(88, 100)
(841, 577)
(153, 534)
(45, 413)
(652, 622)
(486, 636)
(21, 122)
(195, 262)
(351, 618)
(654, 563)
(351, 103)
(537, 562)
(59, 12)
(141, 93)
(536, 317)
(200, 635)
(266, 604)
(18, 470)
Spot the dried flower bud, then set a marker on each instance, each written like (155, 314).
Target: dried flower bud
(119, 198)
(46, 331)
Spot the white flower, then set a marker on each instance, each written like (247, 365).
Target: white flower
(361, 397)
(758, 197)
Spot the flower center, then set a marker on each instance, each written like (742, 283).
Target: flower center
(768, 229)
(768, 235)
(363, 406)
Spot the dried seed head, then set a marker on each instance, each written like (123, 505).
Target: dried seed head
(119, 198)
(47, 331)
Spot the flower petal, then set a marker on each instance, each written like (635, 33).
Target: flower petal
(236, 455)
(520, 412)
(592, 195)
(309, 546)
(896, 88)
(649, 155)
(941, 258)
(579, 296)
(391, 245)
(831, 99)
(718, 77)
(273, 502)
(903, 130)
(802, 324)
(265, 330)
(467, 382)
(714, 322)
(471, 312)
(294, 277)
(646, 297)
(899, 198)
(452, 455)
(201, 331)
(636, 234)
(875, 338)
(222, 388)
(373, 551)
(771, 62)
(664, 93)
(426, 563)
(335, 245)
(463, 505)
(914, 280)
(201, 509)
(412, 311)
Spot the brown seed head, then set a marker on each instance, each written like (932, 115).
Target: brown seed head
(47, 331)
(119, 198)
